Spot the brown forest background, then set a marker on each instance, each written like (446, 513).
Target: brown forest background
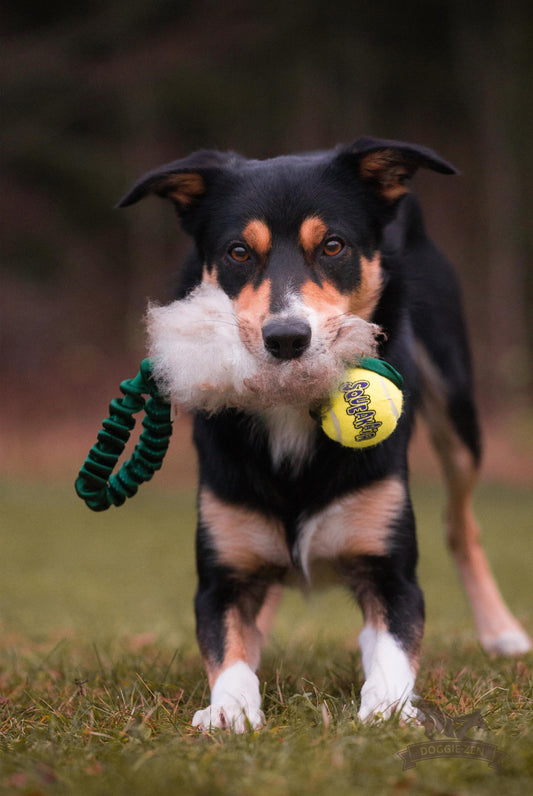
(95, 93)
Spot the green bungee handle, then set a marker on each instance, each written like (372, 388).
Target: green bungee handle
(95, 483)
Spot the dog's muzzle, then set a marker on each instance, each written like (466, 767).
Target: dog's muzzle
(286, 339)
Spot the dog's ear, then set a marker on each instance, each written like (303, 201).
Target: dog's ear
(388, 165)
(184, 182)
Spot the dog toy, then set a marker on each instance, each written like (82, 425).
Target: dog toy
(363, 412)
(95, 484)
(366, 408)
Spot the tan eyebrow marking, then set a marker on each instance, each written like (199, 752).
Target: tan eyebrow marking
(258, 236)
(312, 232)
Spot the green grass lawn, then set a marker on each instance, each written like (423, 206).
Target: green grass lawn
(100, 675)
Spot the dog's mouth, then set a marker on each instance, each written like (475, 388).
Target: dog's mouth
(311, 372)
(206, 359)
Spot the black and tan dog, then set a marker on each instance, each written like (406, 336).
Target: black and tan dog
(303, 264)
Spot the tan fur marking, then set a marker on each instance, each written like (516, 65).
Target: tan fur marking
(242, 640)
(372, 607)
(356, 525)
(210, 275)
(182, 188)
(254, 301)
(324, 299)
(258, 237)
(243, 539)
(364, 299)
(252, 308)
(388, 169)
(312, 233)
(244, 636)
(242, 643)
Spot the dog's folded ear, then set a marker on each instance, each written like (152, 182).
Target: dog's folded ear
(387, 165)
(184, 182)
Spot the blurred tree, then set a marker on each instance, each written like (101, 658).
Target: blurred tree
(95, 93)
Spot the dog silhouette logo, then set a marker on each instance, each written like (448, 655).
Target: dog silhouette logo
(455, 742)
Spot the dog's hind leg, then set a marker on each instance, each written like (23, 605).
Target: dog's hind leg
(451, 417)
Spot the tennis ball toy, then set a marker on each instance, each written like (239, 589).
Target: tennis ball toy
(366, 408)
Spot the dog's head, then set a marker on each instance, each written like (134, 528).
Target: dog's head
(289, 271)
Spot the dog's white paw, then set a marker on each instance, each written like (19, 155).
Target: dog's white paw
(512, 642)
(235, 702)
(224, 717)
(375, 706)
(390, 679)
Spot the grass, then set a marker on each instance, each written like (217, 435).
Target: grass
(100, 675)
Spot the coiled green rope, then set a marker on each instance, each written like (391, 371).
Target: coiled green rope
(95, 484)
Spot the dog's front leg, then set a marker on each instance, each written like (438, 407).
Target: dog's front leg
(241, 558)
(230, 641)
(390, 643)
(393, 609)
(390, 673)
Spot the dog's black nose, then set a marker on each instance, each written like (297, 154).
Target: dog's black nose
(286, 339)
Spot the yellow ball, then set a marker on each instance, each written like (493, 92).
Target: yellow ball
(367, 407)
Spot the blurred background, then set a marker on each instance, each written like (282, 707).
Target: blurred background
(96, 93)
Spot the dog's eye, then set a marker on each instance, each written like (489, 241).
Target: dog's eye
(333, 246)
(239, 253)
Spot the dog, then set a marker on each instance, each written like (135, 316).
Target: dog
(301, 265)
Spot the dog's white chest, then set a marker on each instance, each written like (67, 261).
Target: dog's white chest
(291, 433)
